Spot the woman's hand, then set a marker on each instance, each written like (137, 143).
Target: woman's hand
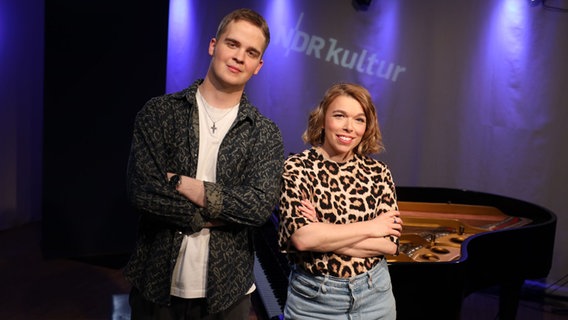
(308, 210)
(388, 224)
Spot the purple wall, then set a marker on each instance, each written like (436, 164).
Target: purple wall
(479, 101)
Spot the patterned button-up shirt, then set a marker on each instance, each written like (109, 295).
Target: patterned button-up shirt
(249, 167)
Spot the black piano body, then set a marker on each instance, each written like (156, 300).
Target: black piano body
(502, 258)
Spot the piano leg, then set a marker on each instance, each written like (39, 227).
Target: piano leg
(509, 297)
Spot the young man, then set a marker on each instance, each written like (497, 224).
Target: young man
(204, 171)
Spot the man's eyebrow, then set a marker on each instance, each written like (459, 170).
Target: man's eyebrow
(228, 39)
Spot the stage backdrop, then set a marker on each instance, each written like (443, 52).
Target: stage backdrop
(470, 94)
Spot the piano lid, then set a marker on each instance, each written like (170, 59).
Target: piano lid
(505, 241)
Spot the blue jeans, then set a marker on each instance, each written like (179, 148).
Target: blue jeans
(363, 297)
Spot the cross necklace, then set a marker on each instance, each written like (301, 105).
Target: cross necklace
(205, 107)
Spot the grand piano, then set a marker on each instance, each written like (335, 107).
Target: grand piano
(454, 242)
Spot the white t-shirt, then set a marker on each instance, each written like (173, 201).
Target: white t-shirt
(189, 279)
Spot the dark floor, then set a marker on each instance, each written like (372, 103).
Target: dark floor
(34, 288)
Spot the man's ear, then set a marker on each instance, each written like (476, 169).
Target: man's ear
(261, 62)
(212, 45)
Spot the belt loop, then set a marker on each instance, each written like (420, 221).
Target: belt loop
(323, 287)
(369, 279)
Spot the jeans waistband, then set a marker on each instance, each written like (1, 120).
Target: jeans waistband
(332, 281)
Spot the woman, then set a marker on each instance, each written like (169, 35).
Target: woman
(339, 215)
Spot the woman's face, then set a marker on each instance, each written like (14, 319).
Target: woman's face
(344, 126)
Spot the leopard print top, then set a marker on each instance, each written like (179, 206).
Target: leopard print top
(357, 190)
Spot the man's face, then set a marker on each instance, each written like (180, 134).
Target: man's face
(236, 55)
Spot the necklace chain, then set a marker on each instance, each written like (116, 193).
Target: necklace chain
(205, 106)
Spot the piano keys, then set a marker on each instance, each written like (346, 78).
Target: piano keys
(271, 271)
